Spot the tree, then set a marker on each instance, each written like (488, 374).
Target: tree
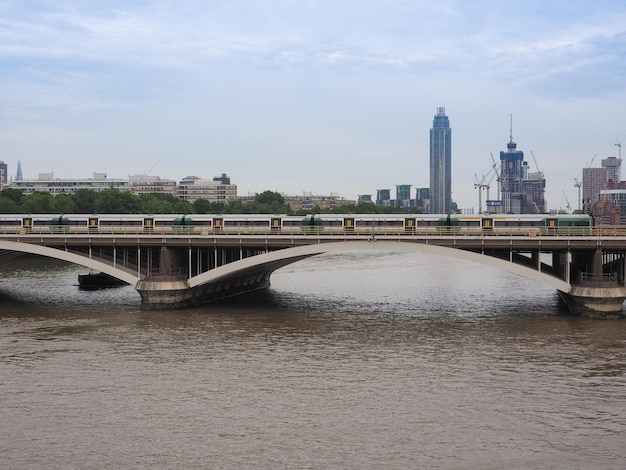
(64, 204)
(13, 194)
(85, 201)
(270, 197)
(38, 203)
(202, 206)
(8, 205)
(113, 201)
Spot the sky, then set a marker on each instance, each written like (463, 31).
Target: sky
(322, 96)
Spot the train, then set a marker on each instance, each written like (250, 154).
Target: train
(200, 224)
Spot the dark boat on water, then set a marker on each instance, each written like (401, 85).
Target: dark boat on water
(98, 281)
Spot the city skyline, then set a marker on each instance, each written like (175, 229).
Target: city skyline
(320, 97)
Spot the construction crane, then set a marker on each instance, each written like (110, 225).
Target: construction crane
(569, 208)
(591, 162)
(578, 184)
(494, 167)
(153, 167)
(480, 185)
(540, 170)
(618, 143)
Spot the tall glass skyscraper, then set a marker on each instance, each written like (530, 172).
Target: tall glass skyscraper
(440, 164)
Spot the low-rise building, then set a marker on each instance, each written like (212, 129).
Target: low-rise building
(309, 200)
(146, 184)
(219, 189)
(46, 183)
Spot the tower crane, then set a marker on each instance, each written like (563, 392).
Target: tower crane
(569, 208)
(480, 185)
(591, 162)
(618, 144)
(578, 184)
(498, 179)
(540, 170)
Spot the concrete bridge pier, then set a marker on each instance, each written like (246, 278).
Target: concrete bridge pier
(165, 293)
(171, 287)
(594, 293)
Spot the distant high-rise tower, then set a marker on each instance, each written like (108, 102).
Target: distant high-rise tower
(4, 170)
(513, 170)
(440, 164)
(19, 176)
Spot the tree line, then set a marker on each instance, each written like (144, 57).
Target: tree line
(113, 201)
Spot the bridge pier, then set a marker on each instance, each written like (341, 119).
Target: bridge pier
(595, 294)
(164, 292)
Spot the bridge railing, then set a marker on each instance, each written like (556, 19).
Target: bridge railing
(325, 231)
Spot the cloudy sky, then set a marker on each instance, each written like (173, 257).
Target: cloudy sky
(311, 95)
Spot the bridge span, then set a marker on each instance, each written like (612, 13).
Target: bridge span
(175, 270)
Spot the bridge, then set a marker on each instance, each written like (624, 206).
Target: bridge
(175, 270)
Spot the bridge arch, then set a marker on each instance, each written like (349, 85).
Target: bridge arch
(71, 258)
(269, 262)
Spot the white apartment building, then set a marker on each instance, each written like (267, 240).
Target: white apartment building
(46, 183)
(219, 189)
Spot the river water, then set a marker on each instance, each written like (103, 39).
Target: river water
(352, 360)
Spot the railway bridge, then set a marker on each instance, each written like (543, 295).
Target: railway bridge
(175, 270)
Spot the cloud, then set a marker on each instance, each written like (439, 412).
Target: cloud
(260, 88)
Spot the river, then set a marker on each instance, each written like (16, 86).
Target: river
(351, 360)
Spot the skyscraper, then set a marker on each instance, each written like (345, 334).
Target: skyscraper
(19, 176)
(522, 191)
(513, 170)
(440, 164)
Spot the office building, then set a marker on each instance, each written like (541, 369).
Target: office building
(613, 166)
(403, 195)
(364, 198)
(219, 189)
(383, 197)
(422, 200)
(4, 170)
(441, 164)
(146, 184)
(309, 201)
(594, 181)
(47, 183)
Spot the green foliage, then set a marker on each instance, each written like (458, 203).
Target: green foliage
(113, 201)
(7, 205)
(13, 194)
(64, 204)
(38, 203)
(85, 201)
(269, 198)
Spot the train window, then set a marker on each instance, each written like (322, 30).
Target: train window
(247, 223)
(379, 223)
(121, 223)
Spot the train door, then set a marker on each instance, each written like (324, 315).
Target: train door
(27, 223)
(552, 225)
(218, 224)
(409, 225)
(348, 224)
(148, 224)
(275, 224)
(487, 224)
(93, 225)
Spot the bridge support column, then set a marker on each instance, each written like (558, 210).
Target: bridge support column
(164, 293)
(596, 294)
